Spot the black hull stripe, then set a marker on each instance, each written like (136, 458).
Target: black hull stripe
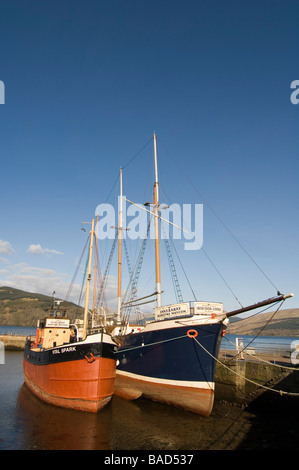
(69, 352)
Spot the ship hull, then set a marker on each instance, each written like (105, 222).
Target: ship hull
(77, 375)
(171, 363)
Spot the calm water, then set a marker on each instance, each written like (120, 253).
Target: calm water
(28, 423)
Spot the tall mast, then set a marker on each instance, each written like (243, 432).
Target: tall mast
(95, 266)
(120, 222)
(88, 280)
(156, 212)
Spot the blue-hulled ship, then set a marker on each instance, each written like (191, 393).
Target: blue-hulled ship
(172, 358)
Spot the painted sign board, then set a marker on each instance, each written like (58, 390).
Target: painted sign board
(57, 323)
(172, 311)
(207, 308)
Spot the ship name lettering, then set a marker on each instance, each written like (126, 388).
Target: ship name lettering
(63, 350)
(70, 349)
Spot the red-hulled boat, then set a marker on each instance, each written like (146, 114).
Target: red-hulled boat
(68, 367)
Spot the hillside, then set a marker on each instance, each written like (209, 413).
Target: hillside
(284, 323)
(20, 308)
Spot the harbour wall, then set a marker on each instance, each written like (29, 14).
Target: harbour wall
(13, 343)
(242, 381)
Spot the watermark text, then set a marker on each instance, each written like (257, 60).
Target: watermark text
(295, 94)
(2, 92)
(295, 352)
(2, 353)
(177, 222)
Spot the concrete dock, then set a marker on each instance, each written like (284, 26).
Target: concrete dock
(13, 343)
(242, 381)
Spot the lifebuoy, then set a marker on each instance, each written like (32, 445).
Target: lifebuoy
(192, 333)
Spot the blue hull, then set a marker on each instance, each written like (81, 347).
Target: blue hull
(170, 366)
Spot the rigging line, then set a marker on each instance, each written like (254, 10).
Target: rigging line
(281, 366)
(215, 267)
(221, 221)
(213, 264)
(173, 245)
(257, 313)
(83, 280)
(250, 316)
(105, 276)
(136, 154)
(172, 268)
(155, 215)
(117, 178)
(181, 264)
(266, 324)
(135, 275)
(68, 294)
(245, 378)
(151, 344)
(99, 283)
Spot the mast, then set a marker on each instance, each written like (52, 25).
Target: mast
(95, 266)
(88, 280)
(120, 222)
(156, 211)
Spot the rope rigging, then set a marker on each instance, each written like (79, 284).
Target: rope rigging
(220, 220)
(245, 378)
(105, 276)
(131, 295)
(263, 327)
(175, 281)
(68, 294)
(127, 305)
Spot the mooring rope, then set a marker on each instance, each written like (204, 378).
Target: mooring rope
(150, 344)
(259, 358)
(245, 378)
(280, 392)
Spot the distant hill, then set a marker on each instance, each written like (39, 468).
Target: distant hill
(284, 323)
(21, 308)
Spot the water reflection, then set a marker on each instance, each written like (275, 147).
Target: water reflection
(120, 425)
(29, 423)
(50, 427)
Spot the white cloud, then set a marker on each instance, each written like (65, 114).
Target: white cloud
(4, 271)
(44, 281)
(5, 247)
(34, 279)
(38, 250)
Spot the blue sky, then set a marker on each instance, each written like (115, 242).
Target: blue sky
(87, 83)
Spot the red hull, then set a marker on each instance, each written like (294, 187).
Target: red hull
(78, 384)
